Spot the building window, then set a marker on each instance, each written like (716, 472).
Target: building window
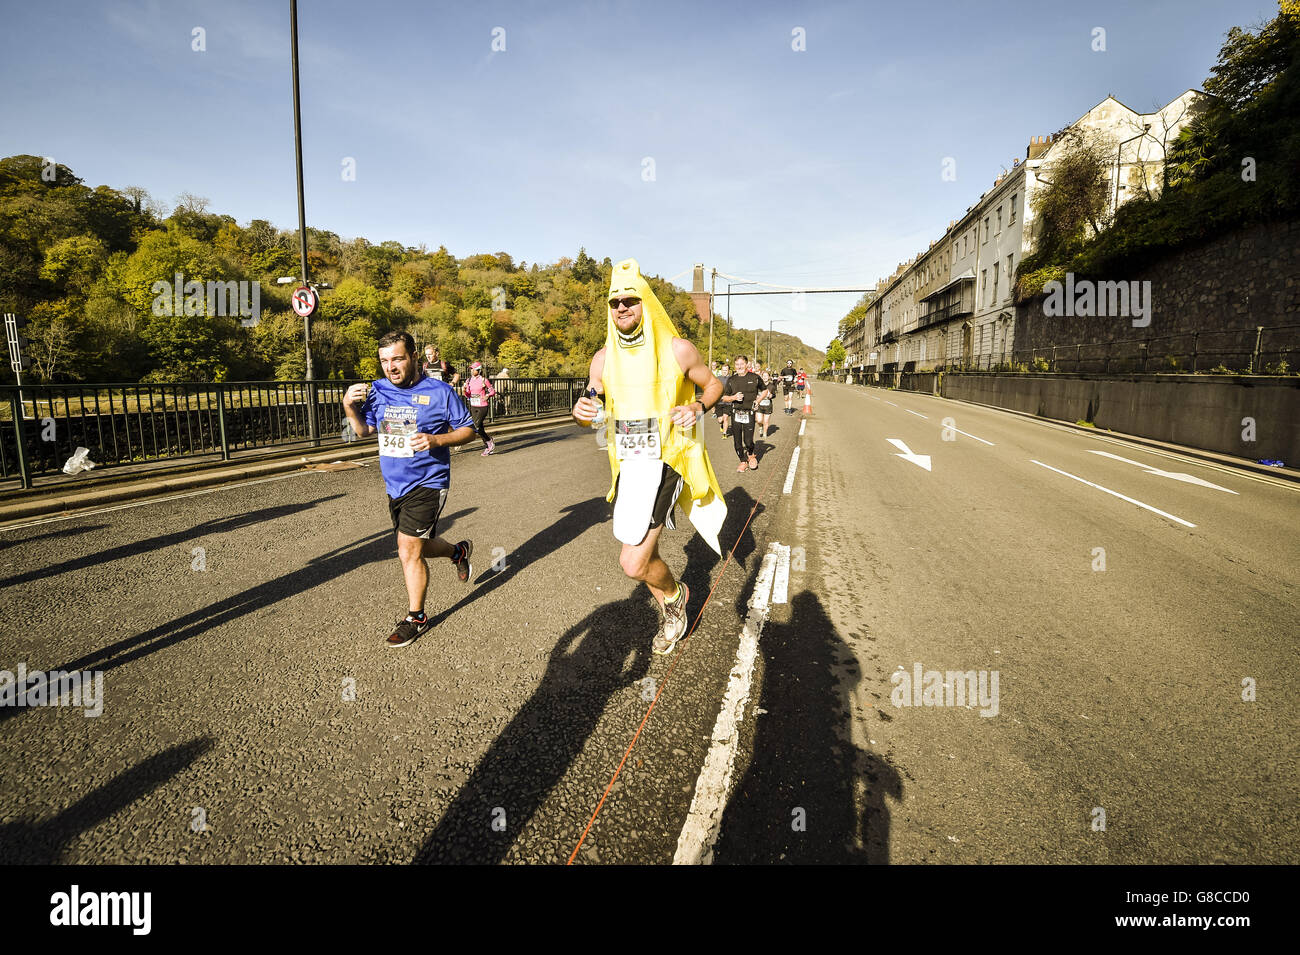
(995, 281)
(984, 283)
(999, 218)
(986, 230)
(1010, 273)
(1014, 197)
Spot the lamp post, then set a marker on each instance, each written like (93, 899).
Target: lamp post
(770, 323)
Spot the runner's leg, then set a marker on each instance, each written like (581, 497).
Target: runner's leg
(410, 551)
(642, 562)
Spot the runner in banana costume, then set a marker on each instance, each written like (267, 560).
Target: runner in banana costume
(657, 458)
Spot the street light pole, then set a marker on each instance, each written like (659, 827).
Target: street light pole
(713, 285)
(302, 208)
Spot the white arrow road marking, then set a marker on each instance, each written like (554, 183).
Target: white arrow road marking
(1154, 510)
(789, 475)
(695, 844)
(920, 459)
(1176, 475)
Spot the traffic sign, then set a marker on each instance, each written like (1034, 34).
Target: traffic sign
(305, 300)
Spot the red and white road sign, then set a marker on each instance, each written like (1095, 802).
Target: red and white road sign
(305, 300)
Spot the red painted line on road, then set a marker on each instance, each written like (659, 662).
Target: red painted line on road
(681, 652)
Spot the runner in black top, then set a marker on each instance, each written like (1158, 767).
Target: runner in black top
(787, 381)
(742, 393)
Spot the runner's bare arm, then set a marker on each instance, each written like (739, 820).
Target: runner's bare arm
(352, 404)
(585, 410)
(694, 368)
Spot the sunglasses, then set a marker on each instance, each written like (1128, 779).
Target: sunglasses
(616, 303)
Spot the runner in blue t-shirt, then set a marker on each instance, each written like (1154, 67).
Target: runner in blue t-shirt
(418, 418)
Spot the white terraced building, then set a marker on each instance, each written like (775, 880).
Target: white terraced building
(952, 304)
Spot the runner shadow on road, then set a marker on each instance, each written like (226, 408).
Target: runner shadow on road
(577, 520)
(42, 843)
(806, 769)
(587, 667)
(206, 529)
(702, 562)
(64, 532)
(322, 570)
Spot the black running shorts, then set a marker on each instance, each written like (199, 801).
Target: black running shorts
(415, 513)
(670, 485)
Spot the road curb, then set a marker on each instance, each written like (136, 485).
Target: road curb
(66, 499)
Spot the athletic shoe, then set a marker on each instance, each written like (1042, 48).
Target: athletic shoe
(407, 631)
(753, 462)
(486, 452)
(463, 567)
(744, 466)
(674, 625)
(492, 446)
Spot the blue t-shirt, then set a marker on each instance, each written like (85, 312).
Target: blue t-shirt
(429, 406)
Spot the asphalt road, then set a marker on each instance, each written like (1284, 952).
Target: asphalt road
(252, 714)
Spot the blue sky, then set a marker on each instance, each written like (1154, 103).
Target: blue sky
(812, 167)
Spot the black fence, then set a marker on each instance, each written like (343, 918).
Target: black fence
(43, 425)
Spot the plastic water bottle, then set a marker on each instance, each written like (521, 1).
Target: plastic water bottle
(600, 408)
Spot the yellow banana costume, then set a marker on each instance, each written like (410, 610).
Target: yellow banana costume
(642, 379)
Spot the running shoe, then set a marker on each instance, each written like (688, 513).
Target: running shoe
(492, 446)
(753, 462)
(674, 625)
(408, 630)
(463, 567)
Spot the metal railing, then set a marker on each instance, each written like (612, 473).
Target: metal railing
(41, 426)
(1258, 350)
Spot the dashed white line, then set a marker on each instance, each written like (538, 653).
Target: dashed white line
(917, 413)
(1154, 510)
(960, 431)
(789, 475)
(802, 425)
(695, 844)
(891, 403)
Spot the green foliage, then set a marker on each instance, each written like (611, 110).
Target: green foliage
(83, 265)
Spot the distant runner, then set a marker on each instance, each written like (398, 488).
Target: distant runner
(434, 366)
(764, 413)
(805, 389)
(479, 390)
(722, 410)
(787, 384)
(418, 418)
(743, 392)
(648, 376)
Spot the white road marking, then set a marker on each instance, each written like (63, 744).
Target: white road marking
(917, 413)
(1154, 510)
(802, 424)
(922, 460)
(1176, 475)
(789, 475)
(891, 403)
(960, 431)
(695, 844)
(154, 500)
(781, 585)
